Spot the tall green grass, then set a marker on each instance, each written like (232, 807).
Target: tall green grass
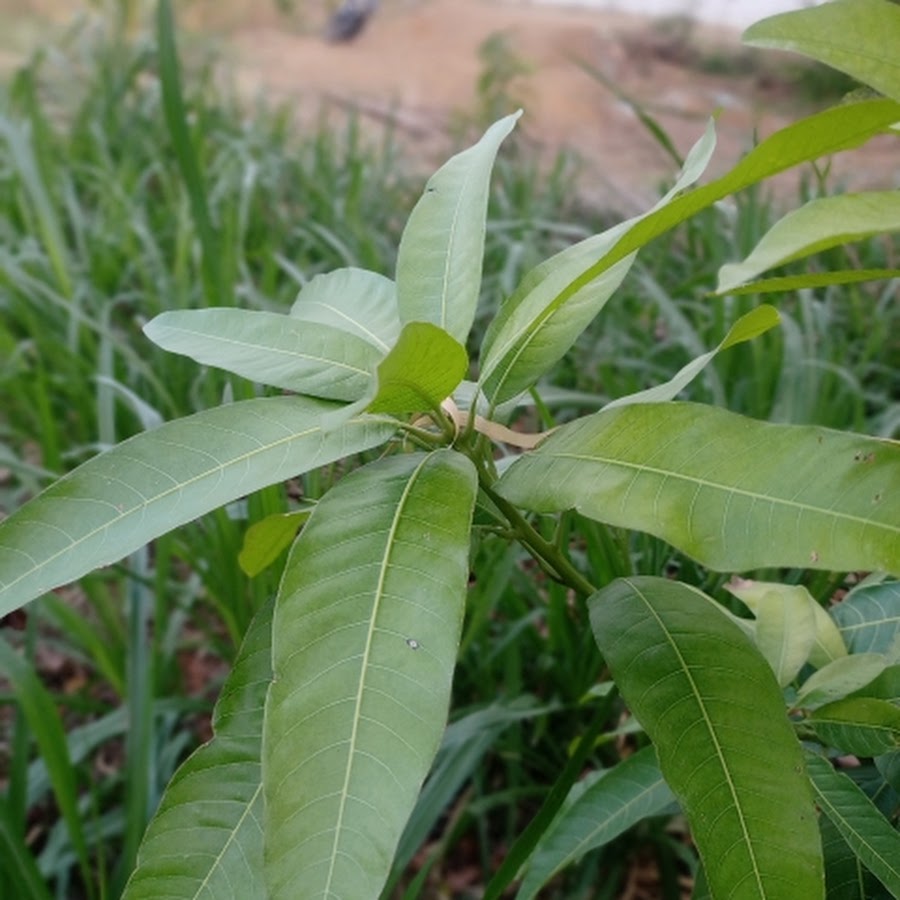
(130, 184)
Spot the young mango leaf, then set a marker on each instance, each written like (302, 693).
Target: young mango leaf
(859, 37)
(716, 716)
(363, 661)
(732, 492)
(827, 641)
(543, 317)
(859, 822)
(869, 617)
(441, 249)
(863, 726)
(839, 678)
(307, 357)
(265, 540)
(885, 686)
(832, 131)
(161, 479)
(816, 226)
(598, 812)
(752, 324)
(357, 301)
(206, 838)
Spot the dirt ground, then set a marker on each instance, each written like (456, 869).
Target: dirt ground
(417, 66)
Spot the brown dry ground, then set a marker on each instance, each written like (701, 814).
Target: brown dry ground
(417, 67)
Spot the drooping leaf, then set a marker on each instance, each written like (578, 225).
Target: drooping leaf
(861, 825)
(818, 225)
(859, 37)
(440, 256)
(863, 726)
(366, 631)
(357, 301)
(542, 318)
(160, 479)
(621, 797)
(732, 492)
(264, 541)
(827, 643)
(869, 617)
(839, 678)
(307, 357)
(716, 716)
(752, 324)
(789, 283)
(206, 839)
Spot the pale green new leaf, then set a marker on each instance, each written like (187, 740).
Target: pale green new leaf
(827, 643)
(306, 357)
(440, 257)
(621, 797)
(160, 479)
(832, 131)
(787, 283)
(839, 678)
(732, 492)
(366, 631)
(869, 617)
(861, 825)
(716, 716)
(206, 839)
(264, 541)
(819, 225)
(859, 37)
(543, 317)
(357, 301)
(752, 324)
(863, 726)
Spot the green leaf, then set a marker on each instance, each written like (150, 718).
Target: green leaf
(307, 357)
(732, 492)
(869, 617)
(440, 257)
(827, 643)
(716, 715)
(596, 813)
(264, 541)
(357, 301)
(160, 479)
(859, 37)
(885, 686)
(366, 630)
(861, 825)
(840, 678)
(542, 318)
(789, 283)
(46, 728)
(819, 225)
(206, 838)
(752, 324)
(832, 131)
(19, 869)
(845, 876)
(861, 725)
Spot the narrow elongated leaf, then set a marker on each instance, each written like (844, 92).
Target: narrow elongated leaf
(869, 617)
(18, 868)
(859, 37)
(732, 492)
(356, 301)
(751, 325)
(160, 479)
(716, 715)
(861, 825)
(206, 839)
(440, 256)
(861, 725)
(622, 796)
(816, 226)
(366, 631)
(542, 318)
(307, 357)
(840, 678)
(788, 283)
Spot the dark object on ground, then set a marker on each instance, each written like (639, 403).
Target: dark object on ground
(350, 19)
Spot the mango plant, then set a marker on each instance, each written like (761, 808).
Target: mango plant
(330, 720)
